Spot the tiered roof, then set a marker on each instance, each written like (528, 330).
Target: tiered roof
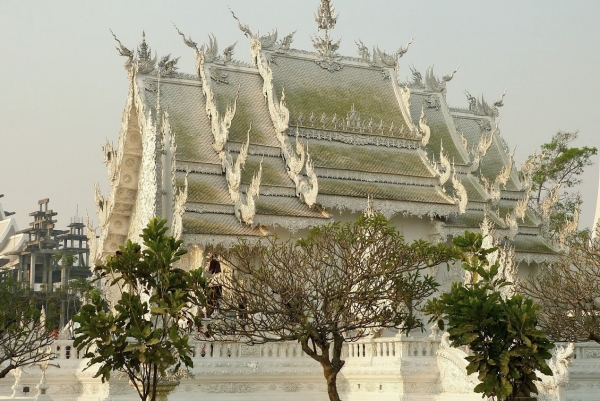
(10, 240)
(286, 140)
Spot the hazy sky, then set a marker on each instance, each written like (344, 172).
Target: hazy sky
(63, 86)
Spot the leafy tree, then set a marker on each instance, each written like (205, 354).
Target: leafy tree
(24, 332)
(559, 166)
(569, 292)
(140, 334)
(340, 283)
(506, 346)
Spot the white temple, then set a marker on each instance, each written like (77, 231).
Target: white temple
(295, 139)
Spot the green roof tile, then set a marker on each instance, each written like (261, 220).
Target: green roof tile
(374, 159)
(312, 89)
(410, 193)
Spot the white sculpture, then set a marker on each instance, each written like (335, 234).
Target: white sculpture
(552, 388)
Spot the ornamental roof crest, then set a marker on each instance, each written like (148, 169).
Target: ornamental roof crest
(434, 83)
(384, 60)
(482, 108)
(326, 19)
(268, 41)
(145, 62)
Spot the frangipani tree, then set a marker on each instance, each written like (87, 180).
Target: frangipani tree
(24, 330)
(500, 328)
(340, 283)
(141, 334)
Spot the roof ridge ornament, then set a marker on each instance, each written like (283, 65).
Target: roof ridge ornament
(124, 51)
(326, 17)
(434, 83)
(482, 108)
(417, 78)
(145, 63)
(326, 48)
(268, 41)
(188, 41)
(384, 60)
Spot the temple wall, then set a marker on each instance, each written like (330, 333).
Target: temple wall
(389, 368)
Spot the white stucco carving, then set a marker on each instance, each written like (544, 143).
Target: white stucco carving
(460, 191)
(180, 198)
(306, 187)
(452, 366)
(245, 209)
(233, 171)
(220, 124)
(424, 129)
(520, 208)
(552, 388)
(445, 165)
(504, 174)
(145, 205)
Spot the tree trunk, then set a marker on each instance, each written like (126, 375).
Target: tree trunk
(331, 377)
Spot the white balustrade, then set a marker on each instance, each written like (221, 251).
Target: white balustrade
(386, 347)
(64, 349)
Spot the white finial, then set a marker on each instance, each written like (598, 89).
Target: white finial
(326, 17)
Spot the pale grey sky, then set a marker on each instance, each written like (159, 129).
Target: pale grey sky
(63, 86)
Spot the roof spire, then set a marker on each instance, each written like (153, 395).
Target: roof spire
(143, 50)
(326, 19)
(326, 16)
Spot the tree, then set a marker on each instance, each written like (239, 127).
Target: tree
(140, 334)
(559, 166)
(569, 292)
(24, 331)
(340, 283)
(501, 332)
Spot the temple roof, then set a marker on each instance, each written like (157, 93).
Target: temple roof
(295, 134)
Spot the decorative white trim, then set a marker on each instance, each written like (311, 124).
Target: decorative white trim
(376, 177)
(424, 129)
(290, 223)
(388, 208)
(246, 209)
(461, 193)
(354, 138)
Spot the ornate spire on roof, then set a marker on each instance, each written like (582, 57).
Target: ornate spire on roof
(326, 20)
(325, 16)
(143, 50)
(145, 62)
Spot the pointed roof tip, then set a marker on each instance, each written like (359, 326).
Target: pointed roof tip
(244, 28)
(326, 17)
(123, 51)
(188, 41)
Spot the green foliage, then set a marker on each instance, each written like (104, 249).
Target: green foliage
(341, 282)
(568, 291)
(140, 334)
(561, 163)
(501, 332)
(24, 333)
(560, 166)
